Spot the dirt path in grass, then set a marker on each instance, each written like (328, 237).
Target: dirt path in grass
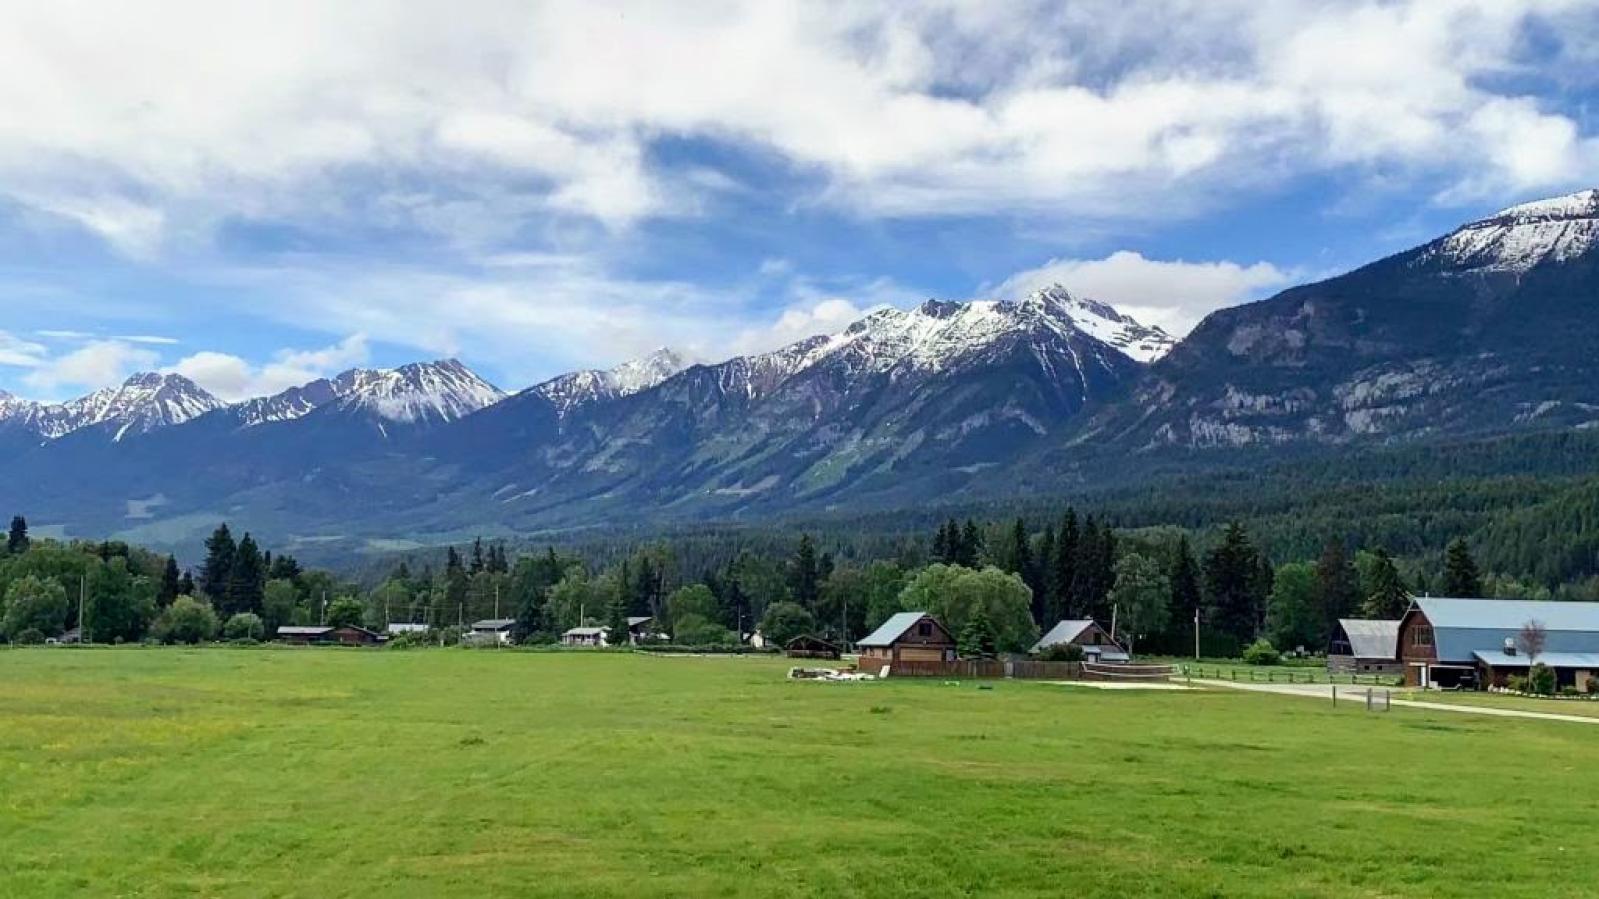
(1358, 695)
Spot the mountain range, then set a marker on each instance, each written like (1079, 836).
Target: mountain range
(1491, 329)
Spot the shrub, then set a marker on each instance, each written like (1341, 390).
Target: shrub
(244, 626)
(1261, 652)
(410, 639)
(30, 636)
(1061, 652)
(1542, 680)
(187, 620)
(1516, 683)
(1591, 685)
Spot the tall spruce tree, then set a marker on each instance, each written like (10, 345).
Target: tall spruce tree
(1232, 582)
(478, 562)
(1337, 588)
(171, 583)
(1462, 579)
(216, 573)
(1065, 563)
(970, 549)
(804, 578)
(246, 581)
(977, 639)
(17, 541)
(1044, 566)
(1388, 599)
(1186, 595)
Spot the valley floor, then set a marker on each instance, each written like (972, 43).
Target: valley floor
(223, 772)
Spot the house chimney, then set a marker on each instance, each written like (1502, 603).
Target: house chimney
(1510, 646)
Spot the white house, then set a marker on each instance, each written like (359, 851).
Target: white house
(585, 636)
(493, 630)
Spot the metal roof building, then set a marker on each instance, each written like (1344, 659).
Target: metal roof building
(892, 629)
(1371, 638)
(1444, 641)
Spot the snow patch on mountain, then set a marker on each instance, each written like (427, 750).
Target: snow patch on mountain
(1103, 322)
(578, 388)
(1520, 237)
(143, 403)
(424, 392)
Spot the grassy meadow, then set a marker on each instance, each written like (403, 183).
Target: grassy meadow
(232, 772)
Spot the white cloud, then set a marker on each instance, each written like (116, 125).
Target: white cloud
(18, 352)
(1172, 294)
(465, 118)
(233, 378)
(797, 322)
(96, 364)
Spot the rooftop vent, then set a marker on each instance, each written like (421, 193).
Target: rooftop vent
(1510, 646)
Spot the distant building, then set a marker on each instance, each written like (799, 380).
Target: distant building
(346, 634)
(1364, 646)
(907, 637)
(1442, 641)
(396, 629)
(1085, 632)
(493, 630)
(641, 627)
(807, 646)
(585, 636)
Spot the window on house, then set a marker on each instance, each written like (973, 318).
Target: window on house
(1421, 636)
(924, 629)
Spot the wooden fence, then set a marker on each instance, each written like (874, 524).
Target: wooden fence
(983, 668)
(1280, 676)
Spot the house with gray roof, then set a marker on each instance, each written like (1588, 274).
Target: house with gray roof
(906, 637)
(1364, 646)
(1097, 643)
(1443, 640)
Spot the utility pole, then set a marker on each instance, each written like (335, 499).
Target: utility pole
(496, 601)
(1196, 633)
(83, 595)
(1113, 610)
(323, 618)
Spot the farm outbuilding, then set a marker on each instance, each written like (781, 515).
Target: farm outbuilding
(1443, 640)
(907, 637)
(348, 635)
(1097, 643)
(493, 630)
(807, 646)
(584, 636)
(1364, 646)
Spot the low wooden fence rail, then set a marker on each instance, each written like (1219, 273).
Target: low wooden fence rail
(1278, 676)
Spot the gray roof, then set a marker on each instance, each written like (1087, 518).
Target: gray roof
(585, 632)
(1463, 626)
(493, 624)
(400, 627)
(892, 629)
(636, 620)
(1064, 632)
(291, 630)
(1499, 659)
(1372, 638)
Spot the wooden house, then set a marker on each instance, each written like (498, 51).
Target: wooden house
(493, 630)
(1097, 644)
(585, 636)
(907, 637)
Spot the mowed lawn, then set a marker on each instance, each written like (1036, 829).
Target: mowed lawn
(227, 772)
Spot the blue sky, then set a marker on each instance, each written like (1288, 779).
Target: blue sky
(255, 197)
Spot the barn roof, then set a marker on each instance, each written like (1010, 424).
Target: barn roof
(892, 629)
(1372, 638)
(586, 631)
(1064, 632)
(1502, 659)
(493, 624)
(294, 630)
(1463, 626)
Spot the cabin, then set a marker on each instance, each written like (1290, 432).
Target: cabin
(907, 637)
(346, 634)
(585, 636)
(1097, 644)
(808, 646)
(1446, 642)
(1364, 646)
(493, 630)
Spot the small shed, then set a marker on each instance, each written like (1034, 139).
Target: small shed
(350, 635)
(1364, 646)
(1085, 632)
(907, 637)
(585, 636)
(493, 630)
(301, 635)
(809, 646)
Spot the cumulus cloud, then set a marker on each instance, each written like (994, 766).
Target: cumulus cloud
(18, 352)
(234, 378)
(797, 322)
(1173, 294)
(98, 363)
(461, 115)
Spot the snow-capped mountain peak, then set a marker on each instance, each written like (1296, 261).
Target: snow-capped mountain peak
(569, 391)
(144, 402)
(1144, 343)
(1520, 237)
(420, 392)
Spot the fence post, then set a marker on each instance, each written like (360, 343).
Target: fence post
(1388, 700)
(1335, 695)
(1368, 700)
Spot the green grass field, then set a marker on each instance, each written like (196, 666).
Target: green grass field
(220, 772)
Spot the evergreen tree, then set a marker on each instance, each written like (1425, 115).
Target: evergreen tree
(1232, 579)
(977, 640)
(1462, 579)
(804, 580)
(970, 548)
(186, 584)
(17, 541)
(1186, 595)
(616, 620)
(171, 583)
(216, 573)
(1387, 597)
(478, 563)
(947, 543)
(452, 562)
(1337, 589)
(246, 582)
(1065, 565)
(286, 568)
(1044, 565)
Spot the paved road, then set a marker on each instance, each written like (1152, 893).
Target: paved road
(1358, 694)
